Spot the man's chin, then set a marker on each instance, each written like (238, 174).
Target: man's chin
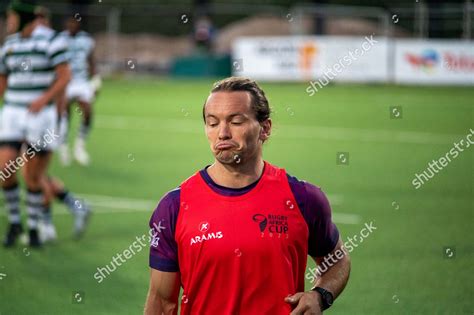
(227, 157)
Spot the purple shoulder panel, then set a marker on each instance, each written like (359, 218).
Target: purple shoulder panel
(323, 233)
(163, 247)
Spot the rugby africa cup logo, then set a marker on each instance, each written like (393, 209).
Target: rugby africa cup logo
(262, 221)
(276, 224)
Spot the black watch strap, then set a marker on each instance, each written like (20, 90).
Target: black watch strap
(326, 297)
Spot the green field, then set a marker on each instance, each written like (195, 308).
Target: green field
(148, 136)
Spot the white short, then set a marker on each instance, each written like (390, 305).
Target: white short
(81, 91)
(38, 129)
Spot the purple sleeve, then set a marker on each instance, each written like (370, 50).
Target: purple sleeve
(323, 233)
(163, 247)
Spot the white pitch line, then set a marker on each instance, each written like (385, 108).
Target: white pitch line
(110, 204)
(119, 202)
(144, 204)
(186, 125)
(345, 218)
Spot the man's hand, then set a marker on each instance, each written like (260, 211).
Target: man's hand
(38, 104)
(307, 303)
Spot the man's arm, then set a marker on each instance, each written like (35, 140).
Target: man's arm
(334, 280)
(3, 73)
(63, 75)
(92, 66)
(165, 277)
(3, 84)
(95, 80)
(61, 102)
(163, 293)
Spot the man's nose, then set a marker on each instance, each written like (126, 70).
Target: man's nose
(224, 131)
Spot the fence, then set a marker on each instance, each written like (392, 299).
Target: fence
(155, 34)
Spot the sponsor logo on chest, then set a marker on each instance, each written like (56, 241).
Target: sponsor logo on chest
(205, 234)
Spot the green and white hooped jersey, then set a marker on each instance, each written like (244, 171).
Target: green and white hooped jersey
(80, 46)
(29, 64)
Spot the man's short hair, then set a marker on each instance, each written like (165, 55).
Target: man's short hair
(259, 104)
(25, 11)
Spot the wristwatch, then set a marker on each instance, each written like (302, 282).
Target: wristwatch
(326, 296)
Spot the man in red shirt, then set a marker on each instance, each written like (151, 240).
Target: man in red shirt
(236, 235)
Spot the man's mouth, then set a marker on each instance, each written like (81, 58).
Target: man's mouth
(224, 146)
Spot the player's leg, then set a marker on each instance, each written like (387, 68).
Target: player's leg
(79, 208)
(64, 113)
(85, 97)
(80, 152)
(35, 169)
(64, 154)
(41, 136)
(46, 229)
(9, 152)
(12, 134)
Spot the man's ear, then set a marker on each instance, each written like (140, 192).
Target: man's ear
(266, 129)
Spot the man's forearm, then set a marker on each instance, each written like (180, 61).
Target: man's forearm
(3, 85)
(169, 308)
(153, 305)
(61, 102)
(92, 67)
(336, 277)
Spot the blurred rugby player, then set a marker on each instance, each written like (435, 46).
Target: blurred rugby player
(33, 72)
(82, 89)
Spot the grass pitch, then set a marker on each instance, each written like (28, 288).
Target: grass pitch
(148, 136)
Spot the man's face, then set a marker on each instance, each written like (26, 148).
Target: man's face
(232, 129)
(13, 22)
(72, 25)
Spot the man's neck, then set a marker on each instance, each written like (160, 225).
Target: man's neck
(236, 176)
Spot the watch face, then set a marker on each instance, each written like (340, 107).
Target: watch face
(328, 298)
